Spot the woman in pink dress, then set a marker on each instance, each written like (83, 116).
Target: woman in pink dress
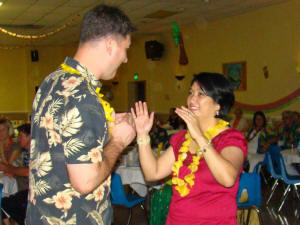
(205, 161)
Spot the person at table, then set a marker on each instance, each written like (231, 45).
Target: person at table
(15, 205)
(173, 119)
(259, 138)
(239, 122)
(205, 161)
(296, 118)
(288, 131)
(9, 149)
(77, 138)
(158, 135)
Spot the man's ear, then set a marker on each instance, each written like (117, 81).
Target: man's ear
(108, 45)
(218, 107)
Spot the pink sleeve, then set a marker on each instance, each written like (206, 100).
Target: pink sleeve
(233, 138)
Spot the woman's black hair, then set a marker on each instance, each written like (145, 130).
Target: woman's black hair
(217, 87)
(24, 128)
(259, 113)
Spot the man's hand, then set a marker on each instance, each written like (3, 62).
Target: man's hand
(123, 132)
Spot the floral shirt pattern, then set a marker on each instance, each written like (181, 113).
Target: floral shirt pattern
(68, 127)
(290, 136)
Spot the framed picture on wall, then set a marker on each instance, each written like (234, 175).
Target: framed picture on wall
(236, 73)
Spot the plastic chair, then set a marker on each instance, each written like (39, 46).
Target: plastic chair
(273, 166)
(118, 196)
(252, 184)
(289, 180)
(258, 169)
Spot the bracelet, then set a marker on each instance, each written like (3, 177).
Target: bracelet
(143, 140)
(206, 146)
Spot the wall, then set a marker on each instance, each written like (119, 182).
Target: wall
(13, 80)
(49, 59)
(266, 37)
(19, 75)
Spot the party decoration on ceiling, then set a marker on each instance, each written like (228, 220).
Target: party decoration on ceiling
(266, 72)
(175, 32)
(10, 47)
(38, 36)
(273, 106)
(183, 59)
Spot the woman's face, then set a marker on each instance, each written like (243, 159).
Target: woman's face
(238, 113)
(259, 121)
(3, 132)
(200, 104)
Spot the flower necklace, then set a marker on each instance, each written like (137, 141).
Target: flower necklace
(181, 185)
(106, 106)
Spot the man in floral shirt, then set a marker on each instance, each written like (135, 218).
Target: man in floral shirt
(76, 137)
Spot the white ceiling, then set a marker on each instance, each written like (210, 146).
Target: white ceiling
(42, 16)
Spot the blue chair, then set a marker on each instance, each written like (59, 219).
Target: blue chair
(273, 166)
(118, 196)
(293, 181)
(252, 184)
(258, 169)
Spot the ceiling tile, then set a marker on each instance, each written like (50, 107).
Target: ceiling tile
(52, 14)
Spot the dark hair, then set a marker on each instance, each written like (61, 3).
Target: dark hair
(8, 125)
(218, 88)
(24, 128)
(259, 113)
(102, 21)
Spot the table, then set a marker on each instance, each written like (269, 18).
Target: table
(291, 156)
(254, 158)
(10, 185)
(135, 178)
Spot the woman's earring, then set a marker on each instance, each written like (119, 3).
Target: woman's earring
(217, 113)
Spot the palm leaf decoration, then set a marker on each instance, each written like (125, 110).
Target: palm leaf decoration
(71, 122)
(42, 164)
(57, 221)
(72, 146)
(36, 99)
(41, 187)
(97, 215)
(54, 106)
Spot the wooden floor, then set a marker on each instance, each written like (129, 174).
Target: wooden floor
(289, 214)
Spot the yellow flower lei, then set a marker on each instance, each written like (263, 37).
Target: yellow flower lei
(181, 185)
(106, 106)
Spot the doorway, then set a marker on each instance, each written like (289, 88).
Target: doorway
(136, 92)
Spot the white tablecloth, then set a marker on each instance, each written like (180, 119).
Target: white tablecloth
(291, 156)
(9, 185)
(254, 158)
(135, 178)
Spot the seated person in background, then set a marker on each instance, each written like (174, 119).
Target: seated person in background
(158, 135)
(296, 118)
(9, 150)
(239, 122)
(181, 124)
(259, 138)
(287, 131)
(173, 119)
(15, 205)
